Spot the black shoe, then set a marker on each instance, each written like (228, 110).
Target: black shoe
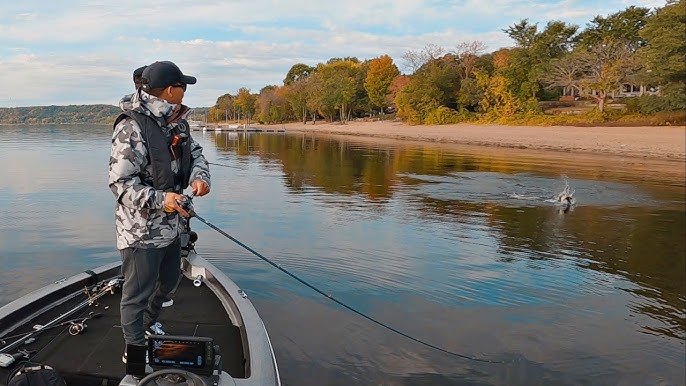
(123, 357)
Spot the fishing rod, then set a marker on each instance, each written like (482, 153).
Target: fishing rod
(187, 205)
(101, 289)
(76, 326)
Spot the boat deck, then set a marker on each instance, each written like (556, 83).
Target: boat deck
(94, 356)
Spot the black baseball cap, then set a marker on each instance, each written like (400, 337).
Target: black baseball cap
(164, 74)
(137, 74)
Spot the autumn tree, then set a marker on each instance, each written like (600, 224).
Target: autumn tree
(499, 98)
(397, 86)
(245, 102)
(379, 77)
(272, 106)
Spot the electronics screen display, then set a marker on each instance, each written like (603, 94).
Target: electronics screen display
(192, 353)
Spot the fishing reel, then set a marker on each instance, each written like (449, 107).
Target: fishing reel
(75, 328)
(187, 204)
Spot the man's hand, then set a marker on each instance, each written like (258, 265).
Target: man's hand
(200, 187)
(171, 203)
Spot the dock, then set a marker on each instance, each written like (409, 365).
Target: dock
(237, 129)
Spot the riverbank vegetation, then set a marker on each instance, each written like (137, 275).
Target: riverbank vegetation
(625, 68)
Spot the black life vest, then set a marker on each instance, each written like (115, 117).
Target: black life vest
(160, 149)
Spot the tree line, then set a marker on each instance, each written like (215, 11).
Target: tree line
(636, 50)
(104, 114)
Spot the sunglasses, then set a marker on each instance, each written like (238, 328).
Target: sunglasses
(183, 86)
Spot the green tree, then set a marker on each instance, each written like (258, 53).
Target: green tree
(224, 108)
(623, 26)
(337, 86)
(523, 33)
(470, 95)
(381, 73)
(314, 89)
(296, 94)
(664, 53)
(535, 50)
(417, 100)
(297, 72)
(435, 84)
(443, 74)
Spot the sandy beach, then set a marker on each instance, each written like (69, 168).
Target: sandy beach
(660, 142)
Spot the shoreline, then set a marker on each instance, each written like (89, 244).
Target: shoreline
(656, 142)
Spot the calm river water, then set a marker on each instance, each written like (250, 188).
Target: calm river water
(461, 248)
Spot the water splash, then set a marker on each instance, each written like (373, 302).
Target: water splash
(565, 199)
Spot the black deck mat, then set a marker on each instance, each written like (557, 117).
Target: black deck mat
(96, 352)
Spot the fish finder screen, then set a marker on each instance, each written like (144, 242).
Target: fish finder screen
(178, 352)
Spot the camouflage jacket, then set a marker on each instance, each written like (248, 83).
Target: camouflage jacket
(140, 219)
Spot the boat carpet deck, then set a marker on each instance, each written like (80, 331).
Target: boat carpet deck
(94, 356)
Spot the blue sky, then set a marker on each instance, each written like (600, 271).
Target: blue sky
(61, 52)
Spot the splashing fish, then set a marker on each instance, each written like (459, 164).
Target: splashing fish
(566, 198)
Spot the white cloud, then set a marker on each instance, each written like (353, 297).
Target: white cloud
(81, 52)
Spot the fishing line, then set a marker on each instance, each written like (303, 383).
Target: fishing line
(226, 166)
(273, 264)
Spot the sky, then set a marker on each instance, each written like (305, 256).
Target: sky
(74, 52)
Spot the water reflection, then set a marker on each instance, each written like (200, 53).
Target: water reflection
(617, 228)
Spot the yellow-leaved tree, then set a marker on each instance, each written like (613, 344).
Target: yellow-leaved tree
(380, 75)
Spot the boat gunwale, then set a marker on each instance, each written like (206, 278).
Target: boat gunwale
(261, 366)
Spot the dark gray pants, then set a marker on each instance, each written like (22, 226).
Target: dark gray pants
(150, 275)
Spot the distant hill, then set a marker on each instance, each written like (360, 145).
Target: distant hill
(60, 114)
(94, 114)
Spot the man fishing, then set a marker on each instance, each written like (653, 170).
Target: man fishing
(153, 159)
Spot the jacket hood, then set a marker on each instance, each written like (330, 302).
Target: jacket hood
(147, 104)
(125, 103)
